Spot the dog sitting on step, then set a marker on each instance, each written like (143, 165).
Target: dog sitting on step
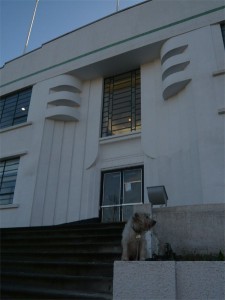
(133, 237)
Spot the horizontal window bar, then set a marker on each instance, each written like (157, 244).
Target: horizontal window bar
(122, 204)
(121, 112)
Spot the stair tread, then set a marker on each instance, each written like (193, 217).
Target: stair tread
(69, 251)
(61, 231)
(61, 236)
(52, 276)
(65, 262)
(61, 256)
(57, 262)
(54, 294)
(68, 243)
(73, 228)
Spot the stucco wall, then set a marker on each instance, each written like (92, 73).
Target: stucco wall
(66, 184)
(168, 280)
(181, 136)
(181, 144)
(103, 39)
(192, 229)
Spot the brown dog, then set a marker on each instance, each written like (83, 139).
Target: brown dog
(133, 237)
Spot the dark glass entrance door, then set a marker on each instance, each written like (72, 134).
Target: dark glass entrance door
(121, 189)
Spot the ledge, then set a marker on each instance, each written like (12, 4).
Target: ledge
(174, 69)
(174, 61)
(65, 82)
(221, 111)
(169, 50)
(13, 154)
(119, 138)
(63, 113)
(8, 206)
(64, 99)
(218, 73)
(172, 85)
(15, 127)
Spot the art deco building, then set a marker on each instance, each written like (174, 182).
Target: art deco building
(91, 119)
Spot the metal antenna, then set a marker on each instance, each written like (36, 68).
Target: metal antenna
(117, 4)
(31, 25)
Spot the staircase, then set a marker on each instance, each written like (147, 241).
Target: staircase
(60, 262)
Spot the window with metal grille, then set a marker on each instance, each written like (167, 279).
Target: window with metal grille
(14, 108)
(222, 25)
(8, 174)
(121, 104)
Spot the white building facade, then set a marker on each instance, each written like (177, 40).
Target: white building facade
(94, 117)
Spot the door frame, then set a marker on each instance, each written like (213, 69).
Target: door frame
(121, 204)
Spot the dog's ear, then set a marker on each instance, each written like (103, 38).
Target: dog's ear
(136, 216)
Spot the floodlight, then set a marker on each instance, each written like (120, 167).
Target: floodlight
(157, 195)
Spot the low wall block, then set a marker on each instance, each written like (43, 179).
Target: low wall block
(137, 280)
(169, 280)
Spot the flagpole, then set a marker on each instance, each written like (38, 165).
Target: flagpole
(117, 4)
(31, 25)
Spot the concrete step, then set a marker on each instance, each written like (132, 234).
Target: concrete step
(59, 262)
(70, 248)
(74, 230)
(63, 256)
(96, 284)
(10, 292)
(62, 238)
(58, 267)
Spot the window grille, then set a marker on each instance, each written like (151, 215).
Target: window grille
(8, 174)
(14, 108)
(121, 104)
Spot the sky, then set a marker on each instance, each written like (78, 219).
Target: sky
(53, 18)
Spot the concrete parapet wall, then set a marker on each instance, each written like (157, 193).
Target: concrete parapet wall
(200, 280)
(192, 229)
(168, 280)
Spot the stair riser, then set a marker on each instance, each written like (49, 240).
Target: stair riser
(57, 240)
(63, 269)
(72, 249)
(60, 262)
(30, 296)
(9, 294)
(66, 227)
(81, 285)
(79, 257)
(66, 232)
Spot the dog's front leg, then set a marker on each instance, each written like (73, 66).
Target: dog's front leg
(124, 251)
(142, 249)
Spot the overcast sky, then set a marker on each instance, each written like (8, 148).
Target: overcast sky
(53, 18)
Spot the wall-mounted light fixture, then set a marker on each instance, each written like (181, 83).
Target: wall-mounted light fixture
(157, 195)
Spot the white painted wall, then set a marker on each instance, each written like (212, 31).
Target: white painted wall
(104, 39)
(65, 181)
(181, 144)
(182, 135)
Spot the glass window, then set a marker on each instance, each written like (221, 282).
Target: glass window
(121, 104)
(111, 196)
(14, 108)
(121, 189)
(8, 174)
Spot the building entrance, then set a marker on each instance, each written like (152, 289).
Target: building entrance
(121, 189)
